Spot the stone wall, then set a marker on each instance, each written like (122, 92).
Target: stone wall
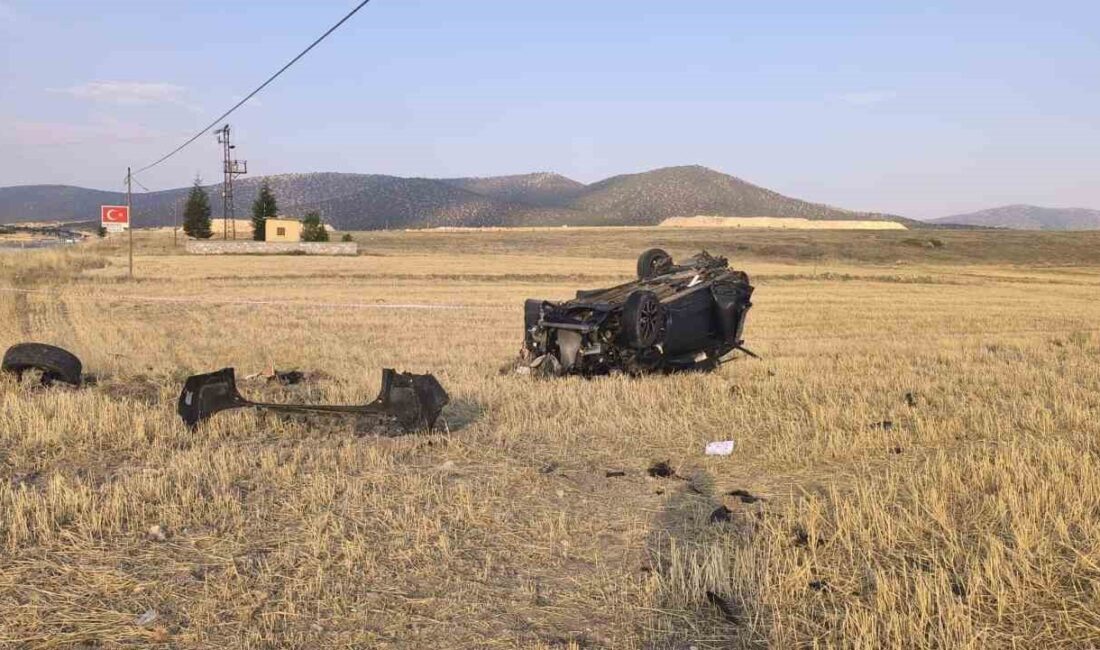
(239, 247)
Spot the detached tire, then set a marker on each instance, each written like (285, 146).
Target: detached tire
(55, 363)
(643, 321)
(653, 262)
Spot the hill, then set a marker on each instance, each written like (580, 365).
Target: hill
(53, 203)
(541, 189)
(651, 197)
(1028, 217)
(388, 202)
(373, 201)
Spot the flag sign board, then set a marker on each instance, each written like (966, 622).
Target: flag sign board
(114, 218)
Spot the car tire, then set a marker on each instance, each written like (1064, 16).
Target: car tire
(55, 363)
(643, 322)
(532, 312)
(653, 262)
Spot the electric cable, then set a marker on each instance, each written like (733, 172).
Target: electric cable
(258, 89)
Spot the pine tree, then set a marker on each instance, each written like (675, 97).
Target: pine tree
(196, 214)
(263, 208)
(313, 229)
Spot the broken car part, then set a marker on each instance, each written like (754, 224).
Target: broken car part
(661, 470)
(286, 378)
(684, 316)
(55, 364)
(411, 401)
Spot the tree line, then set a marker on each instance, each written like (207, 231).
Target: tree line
(197, 220)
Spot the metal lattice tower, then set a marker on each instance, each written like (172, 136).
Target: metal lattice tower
(230, 168)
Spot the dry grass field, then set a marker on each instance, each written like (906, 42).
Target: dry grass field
(917, 460)
(705, 221)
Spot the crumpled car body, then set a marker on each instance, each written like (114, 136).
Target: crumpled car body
(674, 317)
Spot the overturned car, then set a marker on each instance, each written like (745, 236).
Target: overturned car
(685, 316)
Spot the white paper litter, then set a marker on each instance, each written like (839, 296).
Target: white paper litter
(720, 448)
(148, 617)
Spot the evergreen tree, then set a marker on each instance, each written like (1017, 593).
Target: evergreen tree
(313, 229)
(263, 208)
(196, 214)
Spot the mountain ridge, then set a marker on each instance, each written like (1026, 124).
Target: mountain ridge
(1021, 216)
(377, 201)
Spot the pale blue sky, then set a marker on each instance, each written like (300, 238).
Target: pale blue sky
(917, 108)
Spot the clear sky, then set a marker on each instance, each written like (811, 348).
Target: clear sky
(917, 108)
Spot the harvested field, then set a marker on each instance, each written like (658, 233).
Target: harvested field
(916, 455)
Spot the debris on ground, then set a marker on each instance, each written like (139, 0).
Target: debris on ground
(629, 328)
(55, 364)
(911, 399)
(411, 402)
(661, 470)
(288, 378)
(721, 514)
(802, 538)
(719, 448)
(146, 618)
(820, 586)
(543, 366)
(730, 611)
(283, 377)
(614, 473)
(156, 533)
(745, 496)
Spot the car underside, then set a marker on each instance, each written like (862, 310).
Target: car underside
(686, 316)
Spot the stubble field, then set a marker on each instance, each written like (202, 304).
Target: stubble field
(916, 463)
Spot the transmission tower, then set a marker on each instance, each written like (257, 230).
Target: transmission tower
(230, 168)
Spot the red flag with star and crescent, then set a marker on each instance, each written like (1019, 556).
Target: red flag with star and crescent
(114, 214)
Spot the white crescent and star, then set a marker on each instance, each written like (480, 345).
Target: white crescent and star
(115, 214)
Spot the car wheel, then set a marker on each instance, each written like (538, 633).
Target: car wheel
(56, 364)
(532, 311)
(643, 320)
(652, 263)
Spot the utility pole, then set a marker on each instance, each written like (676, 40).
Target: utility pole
(130, 213)
(230, 168)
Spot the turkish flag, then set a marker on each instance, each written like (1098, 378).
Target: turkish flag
(114, 214)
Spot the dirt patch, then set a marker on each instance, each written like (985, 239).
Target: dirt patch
(139, 388)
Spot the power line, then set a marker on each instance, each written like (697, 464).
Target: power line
(140, 185)
(254, 92)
